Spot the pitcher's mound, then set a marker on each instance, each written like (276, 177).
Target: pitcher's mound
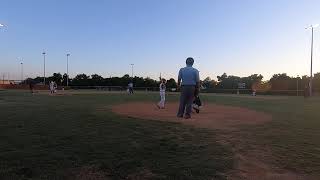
(210, 116)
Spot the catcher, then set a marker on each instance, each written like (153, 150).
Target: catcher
(196, 105)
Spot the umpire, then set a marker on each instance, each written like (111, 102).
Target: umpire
(189, 82)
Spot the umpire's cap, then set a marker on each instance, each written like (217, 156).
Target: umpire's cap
(189, 61)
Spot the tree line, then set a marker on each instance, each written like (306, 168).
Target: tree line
(277, 82)
(98, 80)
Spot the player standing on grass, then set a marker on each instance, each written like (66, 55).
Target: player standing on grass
(55, 87)
(31, 85)
(161, 104)
(189, 83)
(130, 87)
(51, 86)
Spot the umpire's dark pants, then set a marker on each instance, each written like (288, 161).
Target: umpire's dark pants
(186, 99)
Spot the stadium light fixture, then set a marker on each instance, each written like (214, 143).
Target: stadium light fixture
(311, 57)
(312, 26)
(2, 26)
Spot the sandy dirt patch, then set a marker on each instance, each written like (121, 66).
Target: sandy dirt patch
(211, 115)
(249, 164)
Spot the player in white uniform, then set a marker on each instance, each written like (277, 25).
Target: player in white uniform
(51, 86)
(161, 104)
(130, 88)
(55, 87)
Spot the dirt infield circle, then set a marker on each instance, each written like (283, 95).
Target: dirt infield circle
(210, 116)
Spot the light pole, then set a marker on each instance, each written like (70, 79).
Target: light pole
(310, 82)
(68, 69)
(2, 25)
(297, 85)
(21, 72)
(132, 70)
(44, 68)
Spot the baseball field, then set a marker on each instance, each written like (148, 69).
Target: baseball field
(104, 135)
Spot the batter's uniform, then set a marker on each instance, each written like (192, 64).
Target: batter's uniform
(130, 86)
(51, 86)
(162, 87)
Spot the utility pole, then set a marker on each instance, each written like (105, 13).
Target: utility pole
(311, 57)
(311, 75)
(44, 68)
(68, 69)
(297, 85)
(132, 70)
(21, 72)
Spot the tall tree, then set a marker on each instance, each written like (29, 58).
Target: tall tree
(209, 83)
(64, 79)
(252, 81)
(56, 77)
(80, 80)
(171, 83)
(316, 81)
(280, 82)
(228, 82)
(96, 80)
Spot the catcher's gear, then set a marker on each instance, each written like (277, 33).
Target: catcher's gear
(197, 104)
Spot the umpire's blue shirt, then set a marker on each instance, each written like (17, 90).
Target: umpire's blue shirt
(189, 76)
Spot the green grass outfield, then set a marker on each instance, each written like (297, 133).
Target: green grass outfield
(60, 137)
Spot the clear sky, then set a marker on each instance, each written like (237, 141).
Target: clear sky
(239, 37)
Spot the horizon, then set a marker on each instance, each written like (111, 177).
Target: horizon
(105, 37)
